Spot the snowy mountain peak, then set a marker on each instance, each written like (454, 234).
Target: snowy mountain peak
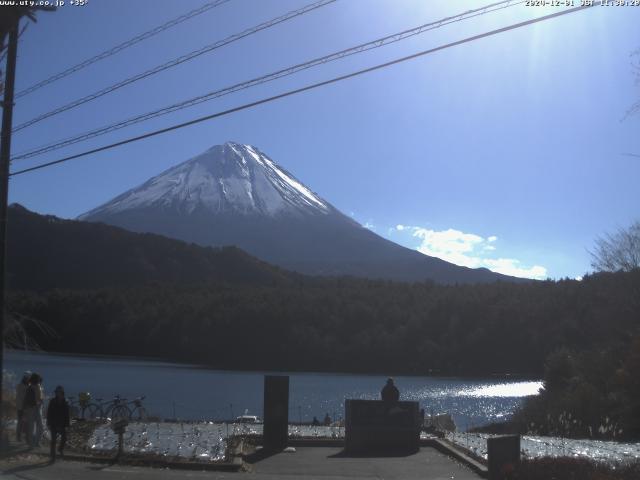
(229, 178)
(233, 194)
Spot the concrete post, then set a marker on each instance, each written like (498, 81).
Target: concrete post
(503, 455)
(276, 412)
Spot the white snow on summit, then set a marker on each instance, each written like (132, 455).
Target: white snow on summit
(309, 195)
(226, 178)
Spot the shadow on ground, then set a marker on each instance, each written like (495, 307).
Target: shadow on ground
(260, 455)
(11, 448)
(384, 454)
(26, 468)
(97, 468)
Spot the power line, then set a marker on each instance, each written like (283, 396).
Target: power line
(176, 61)
(118, 48)
(304, 89)
(380, 42)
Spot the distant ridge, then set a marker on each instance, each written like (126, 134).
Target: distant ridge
(233, 194)
(47, 252)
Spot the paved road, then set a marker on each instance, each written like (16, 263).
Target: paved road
(311, 463)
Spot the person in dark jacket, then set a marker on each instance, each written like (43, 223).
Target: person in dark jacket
(390, 393)
(58, 421)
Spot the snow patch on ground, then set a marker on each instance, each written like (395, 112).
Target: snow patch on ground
(203, 441)
(533, 446)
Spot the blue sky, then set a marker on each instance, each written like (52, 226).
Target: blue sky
(511, 152)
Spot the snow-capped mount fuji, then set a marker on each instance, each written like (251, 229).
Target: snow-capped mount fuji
(233, 194)
(226, 179)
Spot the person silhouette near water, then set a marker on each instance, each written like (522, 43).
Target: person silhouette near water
(58, 421)
(390, 392)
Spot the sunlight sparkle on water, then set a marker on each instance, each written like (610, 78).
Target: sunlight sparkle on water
(517, 389)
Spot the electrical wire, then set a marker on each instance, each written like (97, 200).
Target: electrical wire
(122, 46)
(377, 43)
(304, 89)
(176, 61)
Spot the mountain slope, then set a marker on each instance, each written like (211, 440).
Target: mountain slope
(47, 252)
(233, 194)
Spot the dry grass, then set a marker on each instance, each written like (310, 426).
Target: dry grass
(573, 469)
(8, 399)
(79, 433)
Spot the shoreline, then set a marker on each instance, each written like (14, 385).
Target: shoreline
(514, 377)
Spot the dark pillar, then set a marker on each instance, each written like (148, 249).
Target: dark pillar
(276, 412)
(5, 156)
(503, 454)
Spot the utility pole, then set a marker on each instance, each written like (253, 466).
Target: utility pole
(5, 155)
(9, 23)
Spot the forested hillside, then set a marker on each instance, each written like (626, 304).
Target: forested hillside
(46, 252)
(97, 289)
(346, 324)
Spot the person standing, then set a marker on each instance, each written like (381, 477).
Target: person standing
(390, 392)
(33, 399)
(58, 421)
(21, 390)
(327, 420)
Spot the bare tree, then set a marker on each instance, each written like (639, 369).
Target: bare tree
(618, 251)
(19, 328)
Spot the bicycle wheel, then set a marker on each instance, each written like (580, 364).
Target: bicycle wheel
(92, 411)
(120, 411)
(74, 411)
(139, 414)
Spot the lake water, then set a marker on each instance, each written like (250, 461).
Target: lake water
(196, 393)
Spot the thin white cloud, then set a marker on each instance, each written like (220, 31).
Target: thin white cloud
(511, 266)
(470, 250)
(370, 226)
(451, 245)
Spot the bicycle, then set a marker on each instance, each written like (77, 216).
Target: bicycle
(115, 408)
(77, 409)
(74, 408)
(138, 412)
